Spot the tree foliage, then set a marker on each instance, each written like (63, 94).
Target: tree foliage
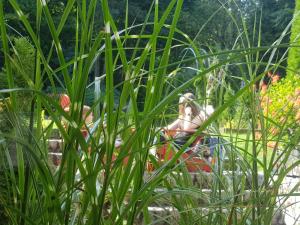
(294, 52)
(214, 25)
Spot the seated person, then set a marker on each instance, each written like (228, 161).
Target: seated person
(87, 116)
(191, 116)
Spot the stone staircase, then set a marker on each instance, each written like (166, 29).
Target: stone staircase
(201, 180)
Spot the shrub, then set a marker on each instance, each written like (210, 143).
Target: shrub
(281, 102)
(294, 52)
(23, 69)
(5, 125)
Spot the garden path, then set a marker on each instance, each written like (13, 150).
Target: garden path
(291, 183)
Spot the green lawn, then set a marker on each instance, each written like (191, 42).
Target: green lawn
(243, 142)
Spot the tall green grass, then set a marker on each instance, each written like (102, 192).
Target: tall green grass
(91, 186)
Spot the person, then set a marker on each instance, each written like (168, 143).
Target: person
(87, 115)
(191, 116)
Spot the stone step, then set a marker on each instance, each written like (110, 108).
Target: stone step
(205, 196)
(206, 180)
(162, 215)
(55, 144)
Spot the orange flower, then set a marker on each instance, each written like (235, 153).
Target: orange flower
(275, 78)
(264, 88)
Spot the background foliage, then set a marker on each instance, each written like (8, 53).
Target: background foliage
(144, 69)
(294, 52)
(283, 97)
(281, 104)
(211, 24)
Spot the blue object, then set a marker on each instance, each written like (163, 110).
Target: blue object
(214, 143)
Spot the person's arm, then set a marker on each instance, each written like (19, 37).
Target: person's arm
(173, 126)
(171, 129)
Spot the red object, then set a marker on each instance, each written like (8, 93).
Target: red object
(64, 101)
(84, 133)
(193, 163)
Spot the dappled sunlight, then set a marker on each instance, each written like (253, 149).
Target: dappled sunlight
(149, 112)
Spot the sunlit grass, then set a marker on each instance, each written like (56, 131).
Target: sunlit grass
(92, 185)
(240, 140)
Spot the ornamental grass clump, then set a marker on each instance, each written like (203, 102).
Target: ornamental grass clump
(92, 184)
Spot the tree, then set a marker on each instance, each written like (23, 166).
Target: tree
(294, 52)
(276, 15)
